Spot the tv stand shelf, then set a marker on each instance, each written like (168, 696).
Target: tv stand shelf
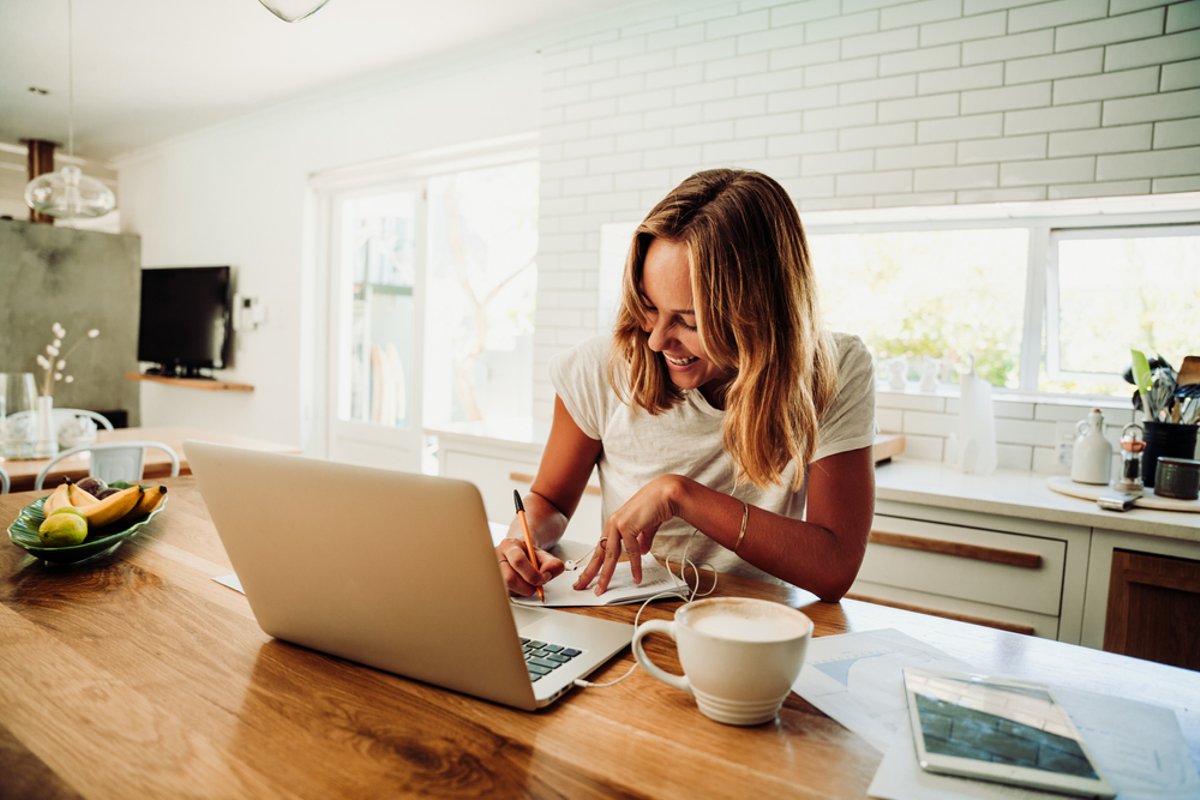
(192, 383)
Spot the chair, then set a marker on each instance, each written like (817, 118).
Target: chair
(61, 415)
(113, 461)
(3, 481)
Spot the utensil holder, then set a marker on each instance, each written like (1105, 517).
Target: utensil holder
(1166, 439)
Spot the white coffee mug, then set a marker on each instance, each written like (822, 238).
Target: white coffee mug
(740, 656)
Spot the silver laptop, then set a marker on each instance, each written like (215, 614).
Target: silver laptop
(390, 569)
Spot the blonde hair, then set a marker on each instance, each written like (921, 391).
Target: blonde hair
(755, 298)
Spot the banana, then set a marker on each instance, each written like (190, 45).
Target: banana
(81, 498)
(57, 499)
(150, 499)
(112, 508)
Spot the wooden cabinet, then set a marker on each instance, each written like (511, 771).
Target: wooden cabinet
(1154, 608)
(1143, 597)
(1013, 574)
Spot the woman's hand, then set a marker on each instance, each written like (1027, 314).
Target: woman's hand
(631, 527)
(520, 576)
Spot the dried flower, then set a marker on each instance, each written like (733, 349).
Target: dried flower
(54, 365)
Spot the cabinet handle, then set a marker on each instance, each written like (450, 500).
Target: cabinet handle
(1011, 627)
(524, 477)
(1013, 558)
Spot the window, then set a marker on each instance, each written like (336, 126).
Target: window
(947, 295)
(1042, 304)
(432, 283)
(1110, 290)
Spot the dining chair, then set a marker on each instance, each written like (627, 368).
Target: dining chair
(113, 461)
(61, 415)
(3, 481)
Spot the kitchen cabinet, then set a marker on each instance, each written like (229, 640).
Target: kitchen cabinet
(497, 467)
(1143, 597)
(1019, 575)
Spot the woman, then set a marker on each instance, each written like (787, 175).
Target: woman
(718, 405)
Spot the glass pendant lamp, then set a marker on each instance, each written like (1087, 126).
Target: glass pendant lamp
(293, 10)
(67, 192)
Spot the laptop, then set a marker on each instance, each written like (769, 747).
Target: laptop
(390, 569)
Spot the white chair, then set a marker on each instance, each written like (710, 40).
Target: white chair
(114, 461)
(61, 415)
(3, 481)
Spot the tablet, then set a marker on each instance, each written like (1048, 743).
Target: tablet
(998, 730)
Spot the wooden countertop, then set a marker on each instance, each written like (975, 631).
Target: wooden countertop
(141, 676)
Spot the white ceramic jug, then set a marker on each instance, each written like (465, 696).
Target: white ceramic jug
(1092, 459)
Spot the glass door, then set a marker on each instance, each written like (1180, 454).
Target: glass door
(375, 311)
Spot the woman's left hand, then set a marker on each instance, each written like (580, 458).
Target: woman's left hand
(632, 528)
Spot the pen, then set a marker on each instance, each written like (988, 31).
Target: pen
(528, 539)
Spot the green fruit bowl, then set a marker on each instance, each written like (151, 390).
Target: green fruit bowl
(24, 533)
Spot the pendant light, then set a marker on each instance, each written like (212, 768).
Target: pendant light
(67, 192)
(293, 10)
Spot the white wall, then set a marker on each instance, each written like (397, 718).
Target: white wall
(237, 195)
(849, 103)
(859, 104)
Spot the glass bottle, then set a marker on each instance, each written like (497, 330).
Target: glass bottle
(1132, 444)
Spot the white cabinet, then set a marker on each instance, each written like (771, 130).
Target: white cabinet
(1010, 573)
(497, 467)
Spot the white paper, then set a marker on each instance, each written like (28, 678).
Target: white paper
(231, 580)
(656, 578)
(856, 679)
(1138, 747)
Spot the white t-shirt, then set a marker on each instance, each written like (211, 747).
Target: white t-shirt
(686, 440)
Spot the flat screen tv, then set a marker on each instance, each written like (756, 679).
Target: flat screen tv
(187, 320)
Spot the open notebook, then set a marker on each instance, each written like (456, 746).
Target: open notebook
(621, 589)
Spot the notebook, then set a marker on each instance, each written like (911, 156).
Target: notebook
(656, 579)
(390, 569)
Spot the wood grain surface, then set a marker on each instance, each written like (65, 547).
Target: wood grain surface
(141, 676)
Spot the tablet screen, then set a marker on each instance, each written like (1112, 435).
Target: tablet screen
(998, 730)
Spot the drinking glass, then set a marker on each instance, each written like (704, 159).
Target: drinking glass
(18, 401)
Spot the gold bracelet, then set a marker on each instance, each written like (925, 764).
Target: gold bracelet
(742, 529)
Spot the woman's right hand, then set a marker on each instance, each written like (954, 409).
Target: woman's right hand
(520, 576)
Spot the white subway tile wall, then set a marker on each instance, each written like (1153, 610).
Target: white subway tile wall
(862, 104)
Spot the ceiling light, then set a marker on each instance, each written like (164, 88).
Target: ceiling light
(67, 192)
(293, 10)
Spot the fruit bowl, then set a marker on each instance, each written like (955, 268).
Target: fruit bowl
(24, 533)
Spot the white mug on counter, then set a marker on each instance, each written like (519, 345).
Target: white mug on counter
(740, 656)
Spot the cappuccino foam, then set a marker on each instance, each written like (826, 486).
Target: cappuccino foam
(747, 623)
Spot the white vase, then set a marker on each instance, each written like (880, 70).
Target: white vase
(45, 442)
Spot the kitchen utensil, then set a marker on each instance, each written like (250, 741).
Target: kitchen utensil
(1189, 371)
(1165, 440)
(1091, 459)
(1141, 379)
(1178, 478)
(1133, 442)
(1162, 389)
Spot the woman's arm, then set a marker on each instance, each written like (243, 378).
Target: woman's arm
(821, 553)
(566, 465)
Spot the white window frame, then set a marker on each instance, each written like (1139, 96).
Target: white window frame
(1053, 368)
(327, 190)
(1047, 223)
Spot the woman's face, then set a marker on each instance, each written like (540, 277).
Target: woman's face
(667, 290)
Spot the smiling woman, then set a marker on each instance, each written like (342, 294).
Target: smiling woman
(725, 423)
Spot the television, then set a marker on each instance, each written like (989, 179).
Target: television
(186, 320)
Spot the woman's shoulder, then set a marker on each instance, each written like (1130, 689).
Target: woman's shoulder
(852, 354)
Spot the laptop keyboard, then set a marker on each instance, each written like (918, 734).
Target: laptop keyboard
(542, 658)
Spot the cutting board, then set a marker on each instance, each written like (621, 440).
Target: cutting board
(1064, 485)
(888, 445)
